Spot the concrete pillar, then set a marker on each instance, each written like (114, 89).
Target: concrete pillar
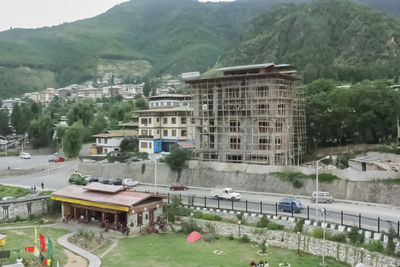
(74, 213)
(62, 210)
(87, 215)
(116, 218)
(102, 217)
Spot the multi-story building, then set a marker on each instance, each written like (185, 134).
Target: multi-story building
(169, 101)
(252, 114)
(160, 128)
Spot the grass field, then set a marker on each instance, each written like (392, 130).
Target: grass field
(174, 250)
(21, 238)
(13, 191)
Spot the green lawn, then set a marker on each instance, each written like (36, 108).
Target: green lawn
(174, 250)
(13, 191)
(21, 238)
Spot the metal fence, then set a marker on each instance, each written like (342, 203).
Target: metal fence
(308, 213)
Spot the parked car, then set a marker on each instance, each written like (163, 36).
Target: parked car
(7, 198)
(93, 179)
(115, 181)
(25, 155)
(178, 187)
(104, 180)
(130, 182)
(60, 159)
(52, 158)
(88, 178)
(322, 197)
(225, 193)
(289, 205)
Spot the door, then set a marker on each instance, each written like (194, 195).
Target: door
(151, 216)
(139, 218)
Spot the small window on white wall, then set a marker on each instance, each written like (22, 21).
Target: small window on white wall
(150, 145)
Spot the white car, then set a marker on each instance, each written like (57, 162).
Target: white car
(130, 182)
(25, 155)
(7, 198)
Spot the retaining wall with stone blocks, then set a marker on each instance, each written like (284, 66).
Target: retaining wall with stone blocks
(293, 241)
(23, 207)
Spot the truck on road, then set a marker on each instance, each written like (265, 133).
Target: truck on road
(225, 193)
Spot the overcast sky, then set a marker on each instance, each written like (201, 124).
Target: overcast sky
(39, 13)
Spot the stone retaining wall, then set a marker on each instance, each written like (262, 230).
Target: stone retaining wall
(293, 241)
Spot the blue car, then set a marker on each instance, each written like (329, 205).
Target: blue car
(289, 205)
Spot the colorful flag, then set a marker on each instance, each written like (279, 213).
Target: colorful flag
(45, 262)
(48, 262)
(30, 249)
(41, 258)
(42, 244)
(49, 248)
(36, 253)
(35, 236)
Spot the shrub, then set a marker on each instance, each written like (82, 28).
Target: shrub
(374, 246)
(297, 183)
(391, 246)
(299, 226)
(318, 232)
(263, 246)
(230, 237)
(355, 237)
(244, 239)
(190, 226)
(209, 237)
(210, 228)
(17, 218)
(263, 222)
(274, 226)
(32, 217)
(338, 238)
(206, 216)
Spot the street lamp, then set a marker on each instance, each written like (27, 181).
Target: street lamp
(323, 211)
(239, 222)
(298, 243)
(316, 186)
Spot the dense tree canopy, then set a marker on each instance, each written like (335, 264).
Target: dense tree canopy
(83, 110)
(41, 130)
(73, 139)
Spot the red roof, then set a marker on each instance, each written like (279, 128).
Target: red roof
(101, 135)
(186, 144)
(122, 198)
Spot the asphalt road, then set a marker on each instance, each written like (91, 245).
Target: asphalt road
(369, 213)
(36, 162)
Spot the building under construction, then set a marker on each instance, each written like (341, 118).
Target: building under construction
(252, 114)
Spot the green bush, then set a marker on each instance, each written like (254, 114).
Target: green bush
(318, 232)
(391, 246)
(190, 226)
(374, 246)
(244, 239)
(355, 237)
(338, 238)
(263, 222)
(206, 216)
(274, 226)
(209, 237)
(230, 237)
(299, 226)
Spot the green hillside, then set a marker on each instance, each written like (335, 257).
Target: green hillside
(335, 39)
(327, 38)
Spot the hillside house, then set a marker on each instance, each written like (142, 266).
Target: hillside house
(109, 141)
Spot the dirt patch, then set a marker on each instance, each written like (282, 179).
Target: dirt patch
(74, 260)
(88, 240)
(18, 232)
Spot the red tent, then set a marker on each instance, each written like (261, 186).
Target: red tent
(194, 236)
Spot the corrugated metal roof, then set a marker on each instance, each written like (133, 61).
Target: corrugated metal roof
(104, 187)
(246, 67)
(123, 198)
(187, 144)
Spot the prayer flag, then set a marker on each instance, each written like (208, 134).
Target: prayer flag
(35, 236)
(45, 262)
(36, 253)
(30, 249)
(49, 248)
(42, 243)
(48, 262)
(41, 258)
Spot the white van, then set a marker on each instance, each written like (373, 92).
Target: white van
(322, 197)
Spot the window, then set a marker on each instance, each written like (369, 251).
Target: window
(105, 140)
(169, 104)
(150, 132)
(143, 121)
(173, 132)
(165, 120)
(165, 133)
(262, 91)
(158, 119)
(281, 109)
(150, 145)
(173, 121)
(235, 142)
(278, 143)
(278, 126)
(143, 144)
(183, 132)
(149, 120)
(144, 132)
(234, 126)
(183, 120)
(158, 131)
(263, 126)
(263, 143)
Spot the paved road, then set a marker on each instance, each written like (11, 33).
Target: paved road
(369, 213)
(54, 178)
(36, 162)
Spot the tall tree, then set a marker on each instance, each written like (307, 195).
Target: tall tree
(4, 123)
(83, 110)
(73, 139)
(40, 130)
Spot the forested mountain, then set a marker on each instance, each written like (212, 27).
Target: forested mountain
(390, 6)
(152, 37)
(327, 38)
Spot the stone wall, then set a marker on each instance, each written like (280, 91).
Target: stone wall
(23, 207)
(293, 241)
(247, 177)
